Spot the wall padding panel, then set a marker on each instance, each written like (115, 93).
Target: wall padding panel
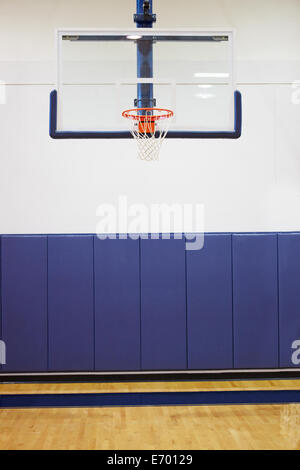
(76, 303)
(255, 305)
(163, 304)
(71, 302)
(209, 304)
(24, 302)
(289, 298)
(117, 304)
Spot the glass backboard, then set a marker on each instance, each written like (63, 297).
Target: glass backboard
(100, 74)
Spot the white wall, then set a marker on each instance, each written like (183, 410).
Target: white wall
(252, 184)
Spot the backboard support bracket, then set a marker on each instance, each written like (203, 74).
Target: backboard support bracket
(144, 18)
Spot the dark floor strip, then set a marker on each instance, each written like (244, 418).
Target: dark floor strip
(149, 399)
(132, 377)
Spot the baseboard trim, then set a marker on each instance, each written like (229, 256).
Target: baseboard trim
(150, 376)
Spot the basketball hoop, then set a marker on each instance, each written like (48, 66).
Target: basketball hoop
(149, 127)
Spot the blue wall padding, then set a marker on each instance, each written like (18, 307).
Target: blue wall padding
(77, 303)
(163, 304)
(209, 304)
(255, 306)
(289, 296)
(70, 302)
(24, 302)
(117, 304)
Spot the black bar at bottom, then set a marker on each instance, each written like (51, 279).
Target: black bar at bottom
(87, 400)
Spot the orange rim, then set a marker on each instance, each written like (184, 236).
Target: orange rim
(140, 117)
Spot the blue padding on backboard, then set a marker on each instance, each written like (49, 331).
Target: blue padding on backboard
(117, 304)
(24, 302)
(255, 300)
(235, 134)
(76, 134)
(289, 298)
(209, 304)
(70, 302)
(163, 304)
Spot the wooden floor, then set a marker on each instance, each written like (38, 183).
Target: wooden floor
(154, 428)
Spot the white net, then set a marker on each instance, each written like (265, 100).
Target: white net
(149, 127)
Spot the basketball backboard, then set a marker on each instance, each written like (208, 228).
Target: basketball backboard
(100, 73)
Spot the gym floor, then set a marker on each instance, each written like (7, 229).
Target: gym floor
(165, 427)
